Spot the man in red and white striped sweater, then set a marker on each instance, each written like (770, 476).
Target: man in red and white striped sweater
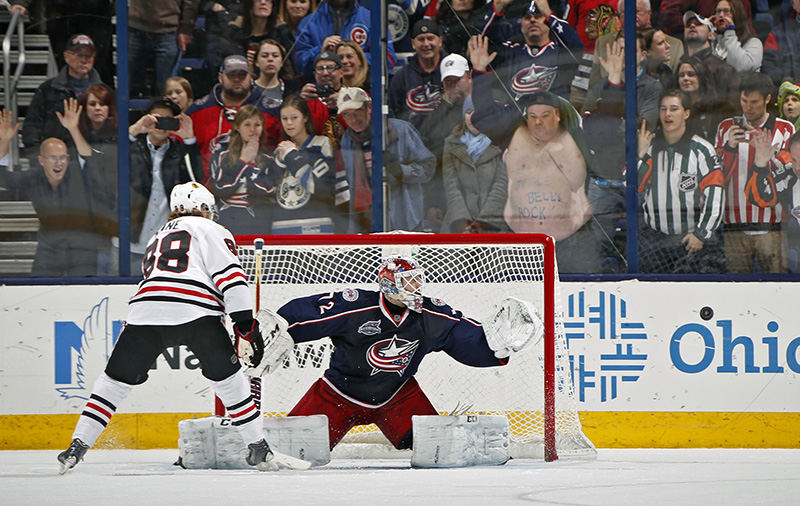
(756, 164)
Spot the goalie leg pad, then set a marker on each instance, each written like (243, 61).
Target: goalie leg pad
(211, 443)
(460, 441)
(304, 437)
(214, 443)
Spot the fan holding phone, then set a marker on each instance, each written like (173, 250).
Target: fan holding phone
(165, 116)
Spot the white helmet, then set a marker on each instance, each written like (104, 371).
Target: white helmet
(188, 197)
(401, 279)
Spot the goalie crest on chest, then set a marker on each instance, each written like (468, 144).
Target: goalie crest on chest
(391, 355)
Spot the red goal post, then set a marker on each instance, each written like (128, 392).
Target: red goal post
(470, 272)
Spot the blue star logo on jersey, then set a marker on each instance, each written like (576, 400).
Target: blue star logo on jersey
(424, 98)
(534, 78)
(391, 355)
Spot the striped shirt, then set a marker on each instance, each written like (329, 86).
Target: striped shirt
(737, 165)
(682, 187)
(190, 270)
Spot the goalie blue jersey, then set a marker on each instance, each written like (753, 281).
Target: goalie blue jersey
(378, 347)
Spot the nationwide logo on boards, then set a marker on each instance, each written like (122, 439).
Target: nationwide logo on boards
(82, 349)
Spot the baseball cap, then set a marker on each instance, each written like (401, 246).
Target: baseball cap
(328, 55)
(78, 40)
(453, 65)
(425, 26)
(234, 63)
(538, 98)
(351, 98)
(692, 14)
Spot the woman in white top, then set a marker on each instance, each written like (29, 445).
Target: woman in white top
(734, 41)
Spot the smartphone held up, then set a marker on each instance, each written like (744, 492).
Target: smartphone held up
(167, 123)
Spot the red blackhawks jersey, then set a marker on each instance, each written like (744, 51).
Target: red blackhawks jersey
(741, 179)
(190, 270)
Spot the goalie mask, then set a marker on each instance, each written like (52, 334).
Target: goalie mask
(188, 197)
(401, 279)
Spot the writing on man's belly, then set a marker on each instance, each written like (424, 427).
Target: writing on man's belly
(538, 212)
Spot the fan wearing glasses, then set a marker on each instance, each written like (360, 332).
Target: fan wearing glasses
(734, 41)
(67, 241)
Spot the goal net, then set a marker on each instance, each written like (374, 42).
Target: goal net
(471, 274)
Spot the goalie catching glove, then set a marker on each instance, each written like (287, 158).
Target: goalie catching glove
(514, 325)
(278, 343)
(249, 342)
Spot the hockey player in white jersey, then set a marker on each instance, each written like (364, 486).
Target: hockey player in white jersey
(192, 277)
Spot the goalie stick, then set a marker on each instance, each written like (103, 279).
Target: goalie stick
(255, 381)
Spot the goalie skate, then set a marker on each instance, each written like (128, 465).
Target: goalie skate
(70, 457)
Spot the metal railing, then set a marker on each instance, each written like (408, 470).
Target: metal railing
(10, 83)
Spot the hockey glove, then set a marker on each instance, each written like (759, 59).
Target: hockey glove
(249, 343)
(277, 341)
(514, 326)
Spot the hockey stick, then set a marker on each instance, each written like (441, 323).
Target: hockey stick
(288, 461)
(255, 382)
(258, 246)
(189, 168)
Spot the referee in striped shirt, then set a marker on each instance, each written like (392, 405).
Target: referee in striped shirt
(681, 188)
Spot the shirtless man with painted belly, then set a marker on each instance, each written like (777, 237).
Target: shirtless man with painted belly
(546, 175)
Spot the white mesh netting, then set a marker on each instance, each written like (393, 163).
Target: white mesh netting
(469, 277)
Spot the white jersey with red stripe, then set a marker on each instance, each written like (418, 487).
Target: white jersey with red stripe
(190, 270)
(737, 165)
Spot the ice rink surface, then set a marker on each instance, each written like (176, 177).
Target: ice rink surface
(619, 477)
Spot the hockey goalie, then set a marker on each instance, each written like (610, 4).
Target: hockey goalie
(380, 338)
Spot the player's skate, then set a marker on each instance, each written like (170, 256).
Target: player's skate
(261, 456)
(266, 459)
(70, 457)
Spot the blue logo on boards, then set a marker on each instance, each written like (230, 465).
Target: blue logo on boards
(693, 348)
(81, 351)
(605, 318)
(721, 350)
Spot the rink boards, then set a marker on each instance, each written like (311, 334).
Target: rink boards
(654, 364)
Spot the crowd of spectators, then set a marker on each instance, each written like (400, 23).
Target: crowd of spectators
(504, 116)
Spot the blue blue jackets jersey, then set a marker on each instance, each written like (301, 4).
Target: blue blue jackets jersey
(318, 25)
(526, 69)
(374, 355)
